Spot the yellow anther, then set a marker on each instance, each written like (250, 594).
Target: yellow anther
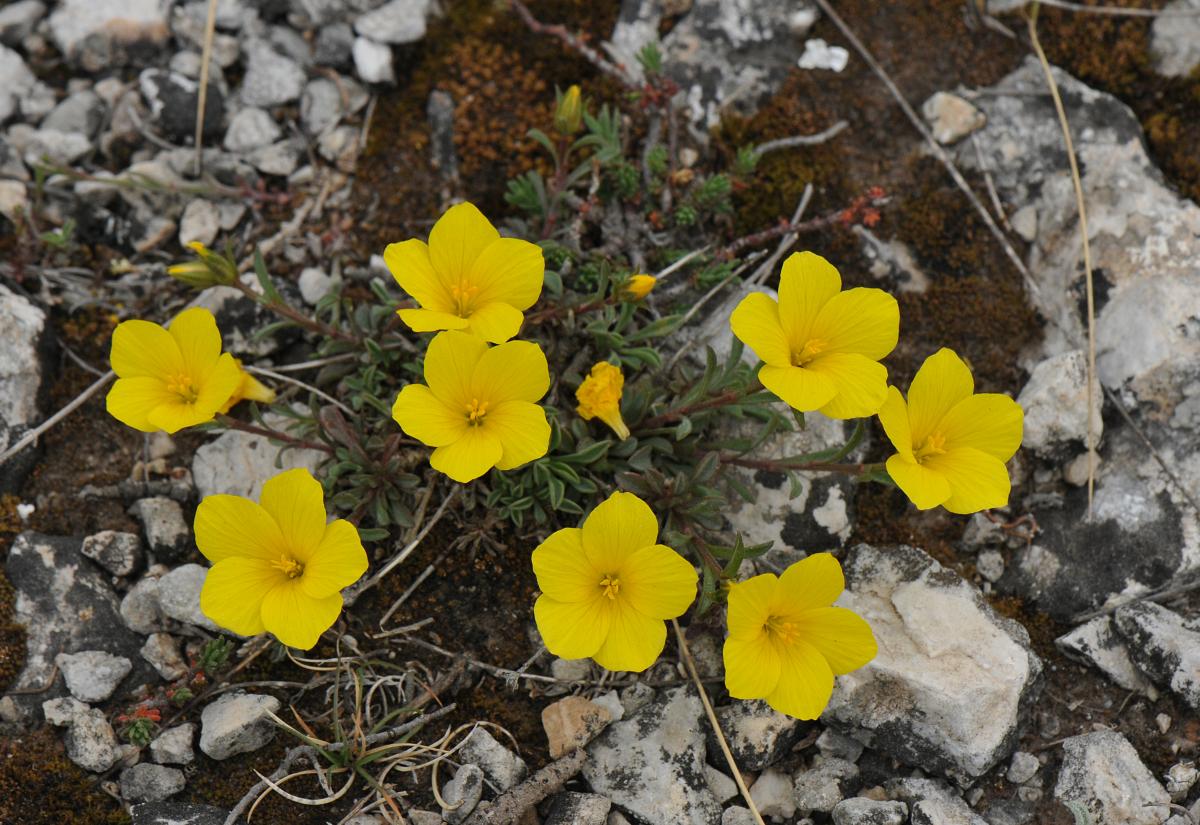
(934, 445)
(783, 631)
(462, 294)
(289, 566)
(476, 410)
(181, 384)
(811, 350)
(611, 585)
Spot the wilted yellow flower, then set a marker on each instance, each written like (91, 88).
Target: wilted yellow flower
(467, 277)
(608, 587)
(249, 389)
(568, 112)
(168, 379)
(599, 396)
(786, 642)
(479, 408)
(639, 286)
(951, 445)
(277, 566)
(821, 346)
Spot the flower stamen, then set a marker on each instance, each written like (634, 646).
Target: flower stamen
(463, 294)
(181, 384)
(476, 410)
(611, 585)
(290, 567)
(934, 445)
(781, 631)
(812, 348)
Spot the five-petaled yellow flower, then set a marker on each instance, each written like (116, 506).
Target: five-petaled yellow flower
(638, 286)
(821, 346)
(608, 587)
(786, 642)
(467, 277)
(478, 410)
(951, 445)
(277, 566)
(168, 379)
(599, 396)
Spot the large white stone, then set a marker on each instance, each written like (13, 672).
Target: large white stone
(1103, 773)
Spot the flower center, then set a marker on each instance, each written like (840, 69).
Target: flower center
(811, 350)
(780, 630)
(934, 445)
(290, 567)
(611, 585)
(463, 294)
(476, 410)
(181, 384)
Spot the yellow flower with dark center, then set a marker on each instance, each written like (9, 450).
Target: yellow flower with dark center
(467, 277)
(951, 444)
(277, 566)
(821, 346)
(599, 396)
(608, 587)
(639, 286)
(168, 379)
(478, 410)
(786, 642)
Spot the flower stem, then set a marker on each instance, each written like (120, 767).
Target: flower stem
(294, 315)
(724, 399)
(791, 465)
(276, 435)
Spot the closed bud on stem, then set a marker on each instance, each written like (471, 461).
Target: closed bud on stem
(568, 111)
(208, 269)
(638, 286)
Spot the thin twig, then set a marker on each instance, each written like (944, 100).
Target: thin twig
(78, 401)
(352, 595)
(572, 41)
(1119, 11)
(210, 30)
(509, 808)
(768, 266)
(802, 140)
(231, 423)
(296, 382)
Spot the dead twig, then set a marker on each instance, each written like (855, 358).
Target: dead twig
(572, 41)
(1112, 396)
(210, 30)
(508, 808)
(1119, 11)
(75, 403)
(802, 140)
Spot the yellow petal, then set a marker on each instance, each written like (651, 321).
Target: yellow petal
(978, 481)
(860, 382)
(750, 605)
(634, 641)
(232, 526)
(523, 431)
(469, 457)
(658, 582)
(755, 321)
(509, 271)
(805, 682)
(751, 667)
(450, 365)
(842, 637)
(804, 389)
(223, 380)
(563, 570)
(618, 526)
(573, 630)
(815, 581)
(893, 415)
(989, 422)
(295, 500)
(411, 266)
(131, 400)
(495, 322)
(431, 320)
(297, 619)
(234, 590)
(338, 562)
(863, 320)
(941, 382)
(925, 487)
(806, 284)
(143, 349)
(426, 418)
(195, 332)
(516, 371)
(457, 240)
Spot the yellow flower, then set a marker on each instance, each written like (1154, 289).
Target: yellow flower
(786, 643)
(277, 566)
(608, 587)
(951, 445)
(639, 286)
(821, 346)
(251, 389)
(467, 277)
(568, 112)
(168, 379)
(599, 396)
(479, 408)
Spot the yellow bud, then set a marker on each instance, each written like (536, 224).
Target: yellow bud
(209, 269)
(568, 112)
(639, 286)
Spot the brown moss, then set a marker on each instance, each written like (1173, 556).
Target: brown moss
(40, 786)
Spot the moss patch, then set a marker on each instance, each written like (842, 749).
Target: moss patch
(40, 786)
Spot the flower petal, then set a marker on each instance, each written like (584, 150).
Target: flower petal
(893, 415)
(523, 431)
(457, 239)
(516, 371)
(861, 320)
(815, 581)
(295, 500)
(297, 619)
(176, 414)
(805, 682)
(411, 266)
(750, 605)
(562, 567)
(618, 526)
(339, 561)
(470, 456)
(634, 641)
(755, 321)
(941, 382)
(131, 400)
(978, 481)
(449, 365)
(509, 271)
(658, 582)
(232, 526)
(222, 382)
(806, 284)
(143, 349)
(573, 630)
(842, 636)
(861, 384)
(989, 422)
(234, 590)
(195, 332)
(752, 667)
(426, 418)
(804, 389)
(495, 322)
(925, 487)
(431, 320)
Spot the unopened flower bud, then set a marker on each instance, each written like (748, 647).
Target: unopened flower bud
(568, 112)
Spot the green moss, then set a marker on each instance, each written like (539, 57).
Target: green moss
(40, 786)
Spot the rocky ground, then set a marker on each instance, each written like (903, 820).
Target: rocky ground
(1040, 665)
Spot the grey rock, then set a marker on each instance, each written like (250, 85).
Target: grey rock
(140, 609)
(932, 802)
(651, 764)
(320, 105)
(774, 794)
(862, 811)
(1102, 772)
(24, 345)
(237, 723)
(839, 746)
(462, 794)
(238, 463)
(162, 651)
(39, 146)
(334, 46)
(635, 697)
(14, 199)
(179, 595)
(314, 285)
(425, 818)
(178, 813)
(398, 21)
(1164, 646)
(200, 222)
(571, 808)
(757, 735)
(16, 81)
(819, 788)
(1055, 403)
(1019, 811)
(951, 118)
(341, 146)
(279, 158)
(1175, 39)
(91, 742)
(271, 78)
(1180, 778)
(439, 110)
(167, 533)
(737, 815)
(1098, 644)
(239, 318)
(82, 112)
(100, 33)
(61, 712)
(174, 745)
(290, 43)
(18, 19)
(150, 783)
(172, 98)
(92, 675)
(249, 129)
(501, 766)
(1024, 766)
(373, 61)
(990, 564)
(723, 788)
(118, 553)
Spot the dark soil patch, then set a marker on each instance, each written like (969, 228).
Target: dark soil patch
(40, 786)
